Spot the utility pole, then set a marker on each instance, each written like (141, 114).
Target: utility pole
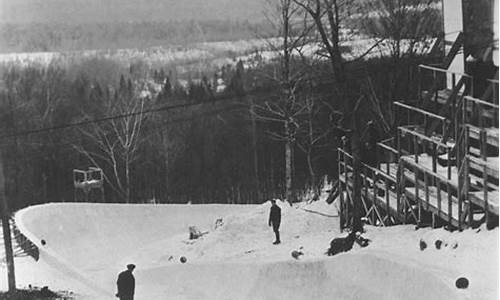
(4, 211)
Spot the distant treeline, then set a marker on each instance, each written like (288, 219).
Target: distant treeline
(33, 37)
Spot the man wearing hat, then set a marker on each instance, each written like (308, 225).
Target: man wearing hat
(126, 284)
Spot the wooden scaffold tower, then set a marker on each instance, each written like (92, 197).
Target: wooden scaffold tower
(441, 166)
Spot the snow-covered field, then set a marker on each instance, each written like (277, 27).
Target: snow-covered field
(213, 53)
(88, 244)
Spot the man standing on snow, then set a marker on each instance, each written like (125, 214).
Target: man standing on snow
(126, 284)
(275, 220)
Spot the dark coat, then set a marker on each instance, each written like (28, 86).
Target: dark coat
(344, 244)
(275, 216)
(126, 285)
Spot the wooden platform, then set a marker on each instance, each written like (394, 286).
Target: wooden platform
(480, 165)
(491, 134)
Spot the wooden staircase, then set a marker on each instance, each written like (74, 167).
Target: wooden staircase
(440, 168)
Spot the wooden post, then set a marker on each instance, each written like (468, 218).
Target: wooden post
(485, 195)
(467, 184)
(399, 188)
(434, 157)
(415, 148)
(374, 203)
(483, 145)
(341, 192)
(341, 207)
(388, 206)
(419, 86)
(439, 196)
(419, 204)
(436, 89)
(426, 187)
(7, 238)
(448, 163)
(356, 224)
(365, 192)
(450, 210)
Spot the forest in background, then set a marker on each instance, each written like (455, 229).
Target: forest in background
(209, 151)
(235, 134)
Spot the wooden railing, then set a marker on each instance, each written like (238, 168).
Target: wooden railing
(462, 82)
(416, 116)
(438, 184)
(387, 155)
(372, 180)
(476, 112)
(417, 143)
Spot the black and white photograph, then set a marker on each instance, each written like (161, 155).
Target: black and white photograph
(249, 150)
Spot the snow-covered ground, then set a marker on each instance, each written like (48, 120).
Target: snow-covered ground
(215, 53)
(88, 244)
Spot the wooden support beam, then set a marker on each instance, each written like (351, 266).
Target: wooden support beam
(450, 211)
(7, 238)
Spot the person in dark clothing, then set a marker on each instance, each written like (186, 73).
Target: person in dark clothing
(275, 220)
(126, 284)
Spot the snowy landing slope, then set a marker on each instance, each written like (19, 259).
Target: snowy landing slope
(88, 244)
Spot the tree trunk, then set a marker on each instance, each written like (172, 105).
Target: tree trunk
(356, 193)
(288, 165)
(311, 168)
(254, 148)
(127, 178)
(6, 232)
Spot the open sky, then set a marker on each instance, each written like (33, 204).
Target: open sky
(92, 11)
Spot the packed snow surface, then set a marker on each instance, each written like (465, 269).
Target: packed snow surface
(87, 245)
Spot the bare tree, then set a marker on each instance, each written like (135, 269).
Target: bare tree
(311, 136)
(327, 17)
(117, 141)
(284, 107)
(408, 26)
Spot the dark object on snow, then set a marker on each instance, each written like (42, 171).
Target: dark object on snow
(363, 242)
(438, 244)
(34, 293)
(126, 284)
(423, 245)
(275, 220)
(462, 283)
(45, 292)
(183, 259)
(296, 254)
(219, 223)
(43, 242)
(344, 244)
(195, 233)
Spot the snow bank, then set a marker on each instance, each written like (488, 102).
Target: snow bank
(88, 244)
(358, 276)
